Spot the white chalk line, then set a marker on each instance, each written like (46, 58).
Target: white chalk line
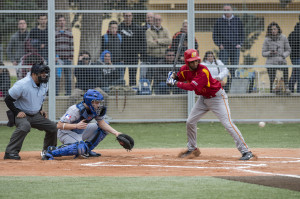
(103, 164)
(240, 166)
(269, 173)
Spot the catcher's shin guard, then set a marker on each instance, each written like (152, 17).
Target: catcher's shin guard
(97, 139)
(78, 148)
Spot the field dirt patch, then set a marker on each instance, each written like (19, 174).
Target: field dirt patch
(158, 162)
(271, 181)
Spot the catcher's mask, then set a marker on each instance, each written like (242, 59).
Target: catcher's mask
(191, 55)
(42, 71)
(94, 100)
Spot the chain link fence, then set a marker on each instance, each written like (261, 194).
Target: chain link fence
(125, 49)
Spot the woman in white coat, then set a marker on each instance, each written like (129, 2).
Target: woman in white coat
(218, 73)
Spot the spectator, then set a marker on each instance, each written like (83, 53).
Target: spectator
(149, 21)
(176, 39)
(110, 75)
(218, 73)
(112, 41)
(4, 81)
(276, 49)
(148, 25)
(1, 48)
(37, 41)
(64, 48)
(16, 46)
(87, 77)
(294, 41)
(158, 75)
(228, 35)
(132, 36)
(158, 40)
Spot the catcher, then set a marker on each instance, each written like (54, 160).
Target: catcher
(78, 135)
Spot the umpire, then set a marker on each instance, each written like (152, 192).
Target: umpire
(25, 100)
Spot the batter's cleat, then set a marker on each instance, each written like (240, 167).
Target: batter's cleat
(12, 156)
(190, 154)
(94, 154)
(247, 156)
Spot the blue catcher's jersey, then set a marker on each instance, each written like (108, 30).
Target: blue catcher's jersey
(76, 113)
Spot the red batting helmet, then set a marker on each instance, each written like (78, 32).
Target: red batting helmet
(191, 55)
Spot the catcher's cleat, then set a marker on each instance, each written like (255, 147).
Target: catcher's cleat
(190, 154)
(94, 154)
(247, 156)
(46, 155)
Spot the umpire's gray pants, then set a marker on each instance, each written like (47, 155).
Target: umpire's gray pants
(23, 126)
(219, 106)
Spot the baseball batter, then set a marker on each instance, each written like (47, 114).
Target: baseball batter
(78, 135)
(196, 77)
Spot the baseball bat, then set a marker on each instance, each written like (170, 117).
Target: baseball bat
(178, 50)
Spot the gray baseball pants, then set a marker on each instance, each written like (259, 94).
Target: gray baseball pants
(219, 106)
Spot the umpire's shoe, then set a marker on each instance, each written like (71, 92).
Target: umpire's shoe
(247, 156)
(190, 154)
(12, 156)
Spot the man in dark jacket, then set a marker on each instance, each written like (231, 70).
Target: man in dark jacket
(38, 37)
(132, 36)
(158, 75)
(229, 36)
(112, 41)
(16, 46)
(87, 77)
(176, 39)
(294, 40)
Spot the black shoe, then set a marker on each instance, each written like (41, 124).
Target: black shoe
(12, 156)
(94, 154)
(247, 156)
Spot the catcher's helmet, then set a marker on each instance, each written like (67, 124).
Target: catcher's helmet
(191, 55)
(94, 96)
(39, 69)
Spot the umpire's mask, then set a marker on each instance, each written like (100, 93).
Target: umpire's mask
(42, 71)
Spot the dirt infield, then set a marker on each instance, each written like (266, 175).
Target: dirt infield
(158, 162)
(272, 167)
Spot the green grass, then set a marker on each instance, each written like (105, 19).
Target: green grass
(135, 187)
(155, 135)
(173, 135)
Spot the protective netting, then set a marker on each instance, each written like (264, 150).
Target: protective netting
(125, 49)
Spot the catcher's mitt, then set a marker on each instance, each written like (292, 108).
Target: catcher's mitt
(126, 141)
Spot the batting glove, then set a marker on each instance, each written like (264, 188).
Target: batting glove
(170, 81)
